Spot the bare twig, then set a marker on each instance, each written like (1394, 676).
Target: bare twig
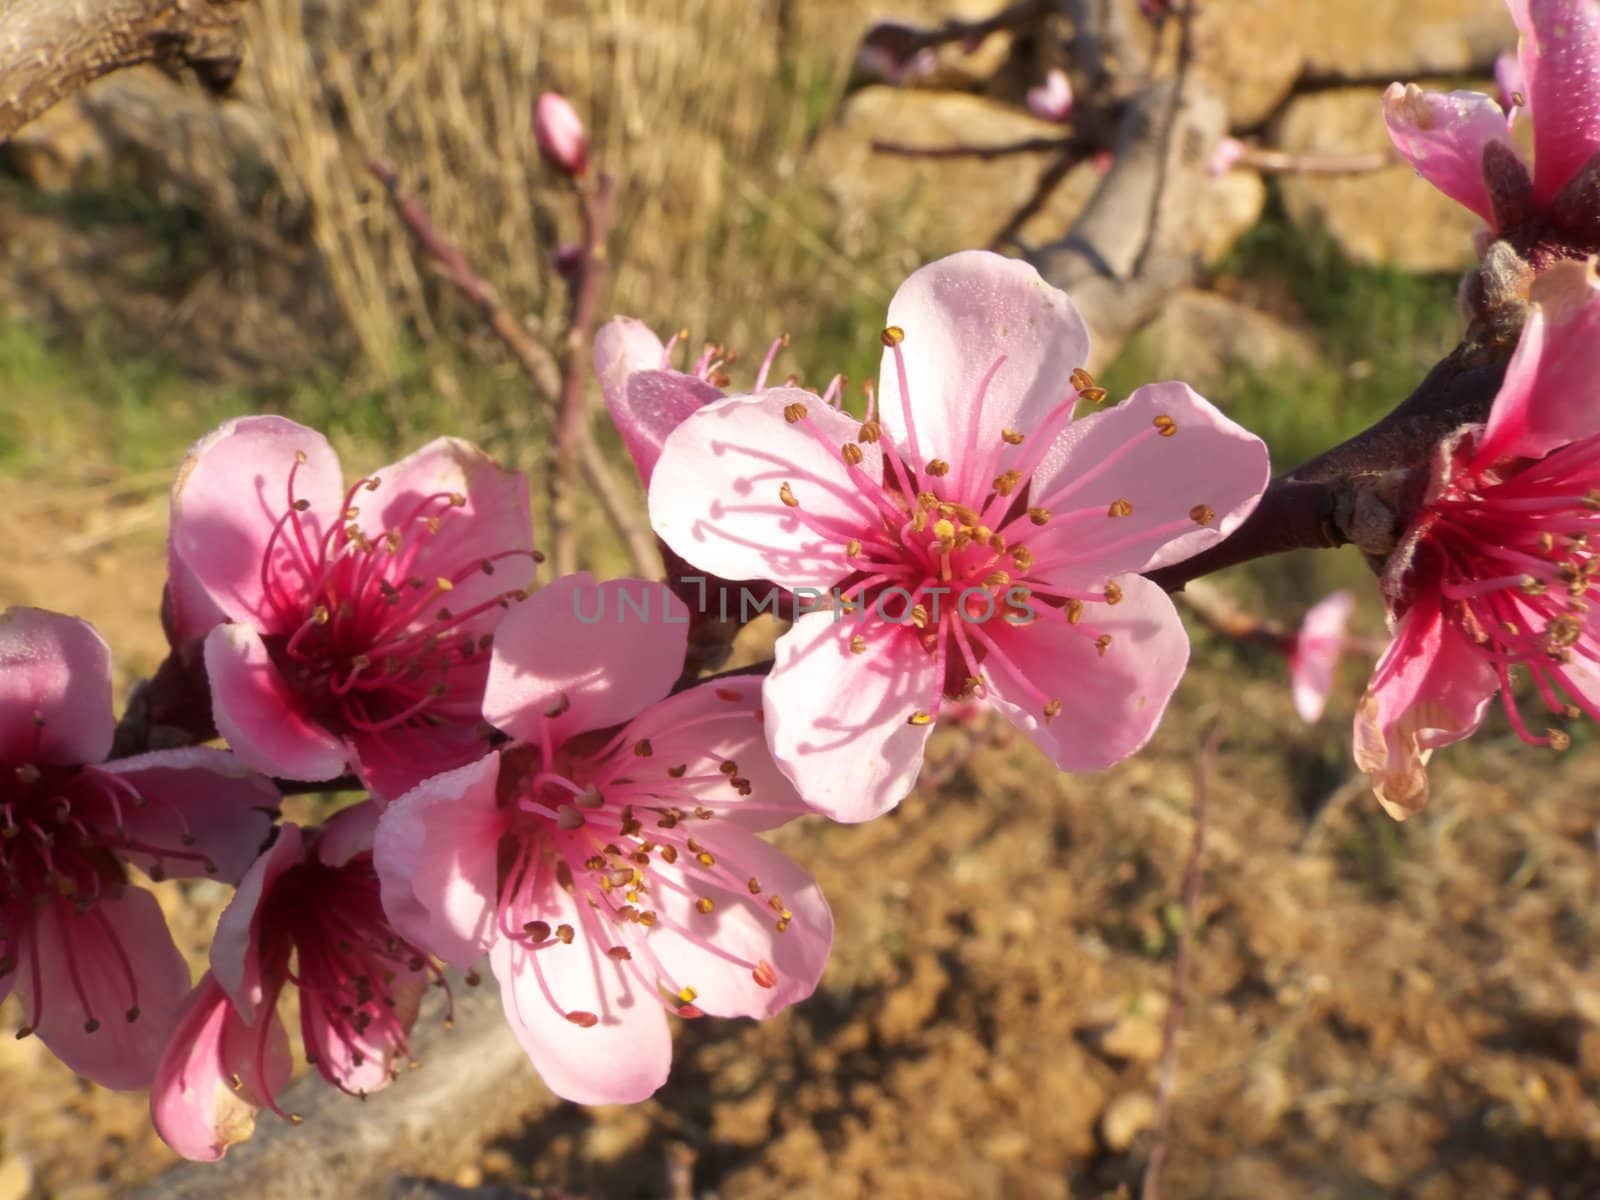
(1048, 179)
(536, 360)
(571, 425)
(52, 48)
(985, 153)
(1193, 877)
(971, 32)
(1278, 162)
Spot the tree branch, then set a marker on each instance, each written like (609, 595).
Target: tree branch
(52, 48)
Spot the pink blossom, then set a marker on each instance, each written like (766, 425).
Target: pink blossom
(1491, 573)
(647, 399)
(1460, 141)
(1225, 156)
(605, 859)
(1509, 82)
(359, 618)
(1315, 651)
(307, 912)
(88, 953)
(559, 133)
(988, 542)
(1052, 100)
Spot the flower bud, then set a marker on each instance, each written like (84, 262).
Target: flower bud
(560, 134)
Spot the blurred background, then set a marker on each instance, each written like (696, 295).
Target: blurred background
(1377, 1009)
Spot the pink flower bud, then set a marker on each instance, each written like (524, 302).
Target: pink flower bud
(1052, 101)
(567, 259)
(560, 134)
(1225, 156)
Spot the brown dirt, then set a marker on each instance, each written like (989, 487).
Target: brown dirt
(1377, 1010)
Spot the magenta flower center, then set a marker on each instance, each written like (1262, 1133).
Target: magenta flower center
(1512, 551)
(956, 553)
(370, 644)
(605, 826)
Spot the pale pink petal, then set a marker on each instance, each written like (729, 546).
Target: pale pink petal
(236, 945)
(1443, 135)
(349, 832)
(736, 960)
(102, 988)
(193, 1102)
(1111, 703)
(646, 398)
(715, 492)
(55, 689)
(188, 612)
(1561, 65)
(1051, 100)
(1513, 87)
(621, 1051)
(839, 723)
(393, 761)
(362, 1060)
(198, 802)
(696, 733)
(1547, 398)
(1208, 467)
(1314, 658)
(231, 494)
(436, 851)
(493, 519)
(961, 315)
(580, 655)
(266, 724)
(1430, 689)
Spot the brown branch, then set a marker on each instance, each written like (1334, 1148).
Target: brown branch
(958, 30)
(475, 1082)
(536, 360)
(1178, 1003)
(1278, 162)
(52, 48)
(984, 153)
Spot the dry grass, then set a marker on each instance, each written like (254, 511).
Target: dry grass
(696, 105)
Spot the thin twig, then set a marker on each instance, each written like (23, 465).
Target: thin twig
(1278, 162)
(1031, 145)
(571, 424)
(1193, 877)
(536, 360)
(972, 32)
(1048, 179)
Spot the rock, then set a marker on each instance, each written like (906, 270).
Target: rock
(1387, 217)
(1228, 207)
(1402, 39)
(16, 1179)
(1199, 336)
(935, 206)
(1125, 1118)
(1127, 1029)
(1251, 51)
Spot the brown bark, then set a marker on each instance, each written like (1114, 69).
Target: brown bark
(51, 48)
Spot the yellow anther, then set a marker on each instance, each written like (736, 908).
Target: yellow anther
(794, 413)
(1038, 515)
(1080, 379)
(1559, 739)
(851, 454)
(704, 904)
(944, 528)
(1202, 514)
(565, 934)
(1011, 437)
(1093, 395)
(1006, 483)
(996, 579)
(754, 885)
(643, 748)
(688, 995)
(1051, 711)
(1023, 557)
(858, 644)
(1102, 644)
(938, 468)
(1120, 508)
(704, 859)
(871, 431)
(920, 718)
(786, 494)
(1074, 611)
(893, 335)
(1113, 593)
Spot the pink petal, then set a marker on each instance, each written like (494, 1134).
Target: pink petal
(1430, 689)
(266, 724)
(1318, 646)
(960, 316)
(199, 800)
(838, 722)
(646, 398)
(188, 612)
(1052, 100)
(1547, 398)
(193, 1104)
(437, 854)
(1561, 63)
(392, 762)
(579, 655)
(356, 1060)
(55, 690)
(694, 733)
(349, 832)
(1442, 135)
(623, 1054)
(1508, 78)
(714, 496)
(81, 975)
(494, 519)
(720, 954)
(231, 493)
(236, 958)
(1208, 462)
(1110, 703)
